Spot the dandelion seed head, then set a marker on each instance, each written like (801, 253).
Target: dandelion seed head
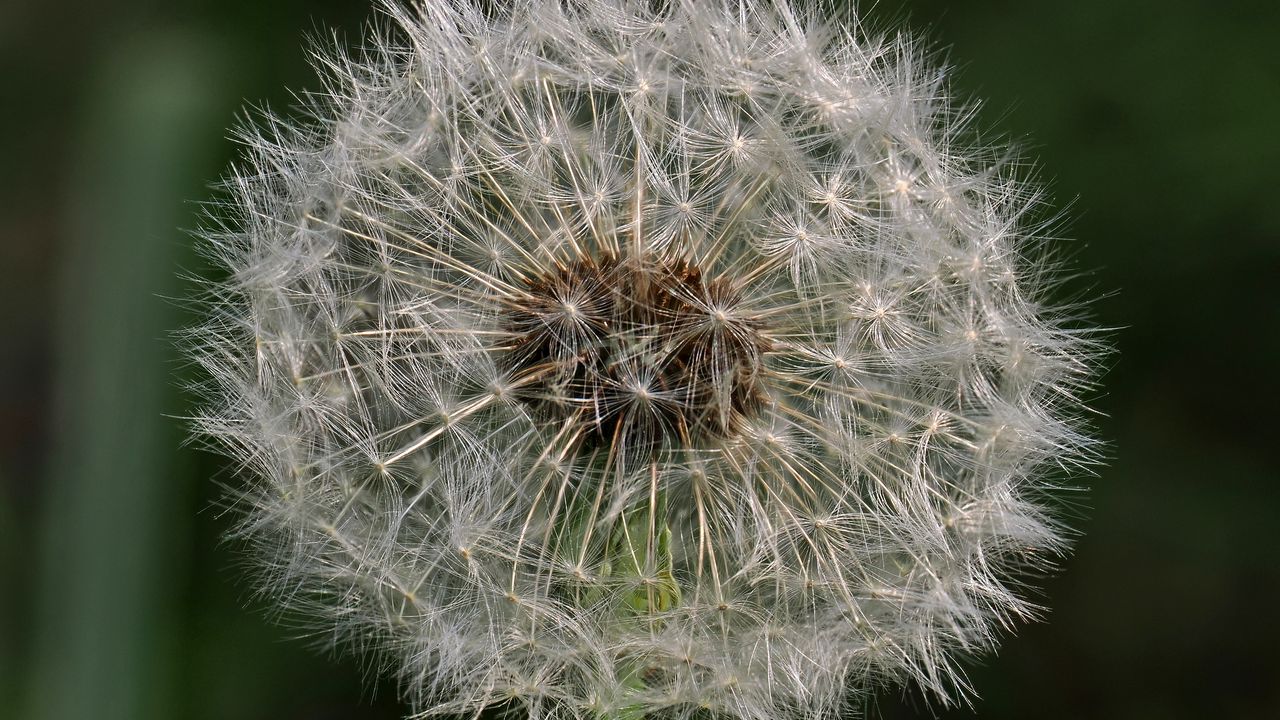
(611, 359)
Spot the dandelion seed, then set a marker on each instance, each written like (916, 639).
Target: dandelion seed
(607, 361)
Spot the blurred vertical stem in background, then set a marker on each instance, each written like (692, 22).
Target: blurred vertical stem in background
(114, 543)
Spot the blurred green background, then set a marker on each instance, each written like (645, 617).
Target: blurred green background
(1157, 122)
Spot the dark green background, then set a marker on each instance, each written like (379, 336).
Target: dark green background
(1156, 122)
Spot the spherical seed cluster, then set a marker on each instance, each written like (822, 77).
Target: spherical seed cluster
(611, 359)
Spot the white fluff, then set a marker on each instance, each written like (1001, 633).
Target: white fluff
(877, 512)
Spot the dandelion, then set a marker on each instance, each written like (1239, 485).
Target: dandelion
(612, 359)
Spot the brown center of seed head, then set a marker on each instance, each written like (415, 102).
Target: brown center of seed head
(643, 353)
